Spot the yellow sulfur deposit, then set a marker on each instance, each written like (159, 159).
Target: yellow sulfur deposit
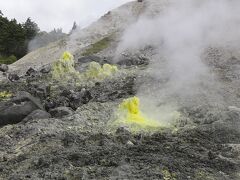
(64, 66)
(5, 95)
(130, 114)
(98, 72)
(64, 69)
(67, 56)
(94, 70)
(108, 69)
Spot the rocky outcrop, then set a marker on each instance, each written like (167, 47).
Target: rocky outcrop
(3, 67)
(37, 114)
(16, 109)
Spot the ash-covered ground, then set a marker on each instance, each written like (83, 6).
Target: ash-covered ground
(76, 141)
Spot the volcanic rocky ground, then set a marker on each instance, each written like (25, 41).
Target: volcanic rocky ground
(63, 129)
(67, 134)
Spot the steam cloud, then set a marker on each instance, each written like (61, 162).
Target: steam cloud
(180, 35)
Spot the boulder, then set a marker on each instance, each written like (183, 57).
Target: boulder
(60, 112)
(46, 69)
(19, 107)
(3, 67)
(77, 99)
(22, 96)
(13, 77)
(31, 72)
(40, 90)
(37, 114)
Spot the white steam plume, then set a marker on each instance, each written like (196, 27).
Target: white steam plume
(180, 34)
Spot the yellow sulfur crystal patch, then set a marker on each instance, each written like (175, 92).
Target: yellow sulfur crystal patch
(64, 66)
(130, 114)
(64, 70)
(96, 71)
(108, 69)
(67, 56)
(5, 95)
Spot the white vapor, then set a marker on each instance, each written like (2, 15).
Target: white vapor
(180, 35)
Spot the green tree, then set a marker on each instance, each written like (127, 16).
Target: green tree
(12, 38)
(31, 29)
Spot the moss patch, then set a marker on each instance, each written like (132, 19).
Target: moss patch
(97, 47)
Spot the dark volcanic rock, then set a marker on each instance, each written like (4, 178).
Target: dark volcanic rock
(46, 69)
(88, 59)
(77, 99)
(37, 114)
(3, 67)
(25, 96)
(62, 101)
(31, 72)
(16, 109)
(15, 113)
(112, 90)
(123, 135)
(13, 77)
(60, 112)
(49, 104)
(133, 61)
(40, 90)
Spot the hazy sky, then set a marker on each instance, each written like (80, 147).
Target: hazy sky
(49, 14)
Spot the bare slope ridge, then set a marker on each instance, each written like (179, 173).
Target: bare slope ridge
(111, 22)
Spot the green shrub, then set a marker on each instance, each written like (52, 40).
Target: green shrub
(8, 60)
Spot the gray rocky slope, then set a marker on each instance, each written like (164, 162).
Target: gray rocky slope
(63, 129)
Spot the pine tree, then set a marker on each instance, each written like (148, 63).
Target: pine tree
(31, 29)
(14, 37)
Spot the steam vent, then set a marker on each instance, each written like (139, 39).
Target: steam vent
(150, 90)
